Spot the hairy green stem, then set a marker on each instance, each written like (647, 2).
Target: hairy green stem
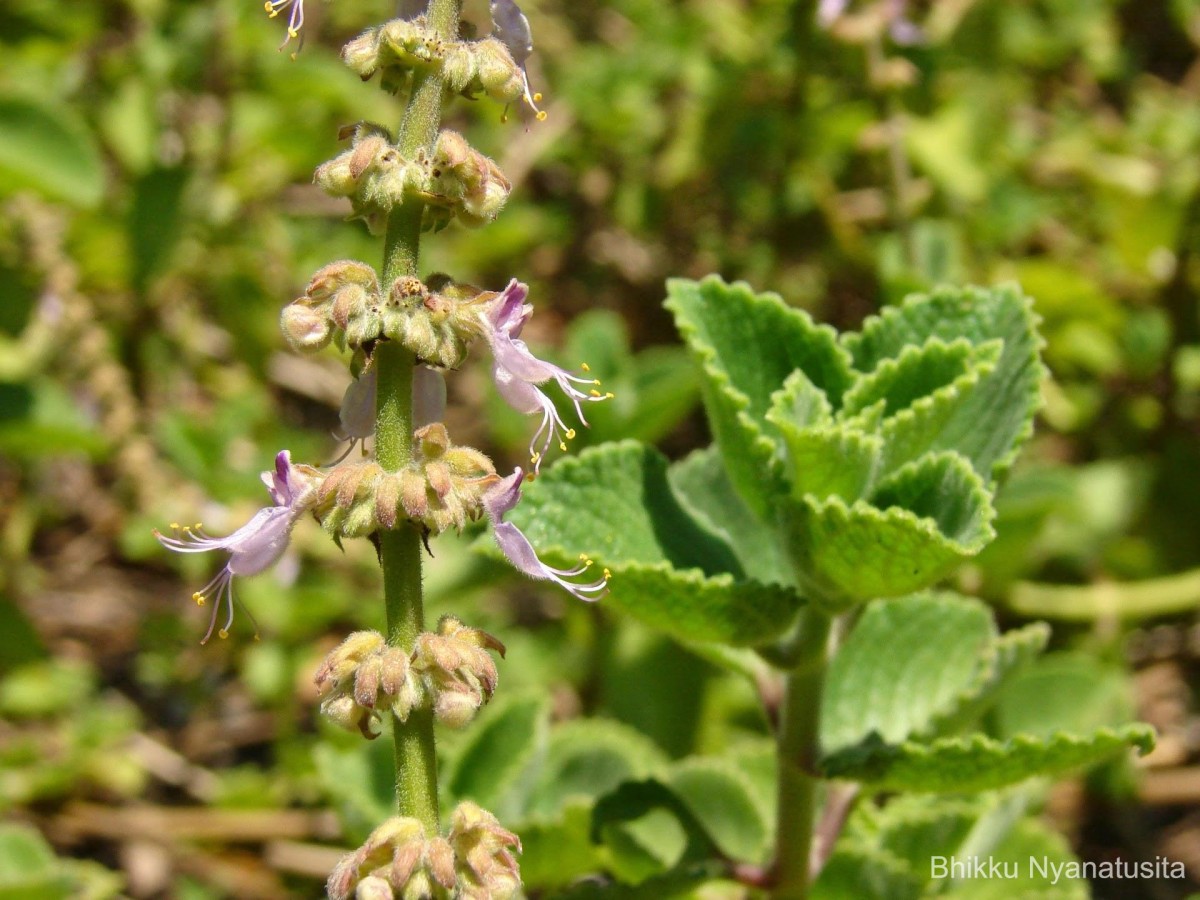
(799, 720)
(400, 550)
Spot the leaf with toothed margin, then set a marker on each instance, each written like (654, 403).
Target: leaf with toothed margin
(905, 663)
(977, 762)
(992, 424)
(919, 524)
(916, 665)
(836, 460)
(922, 389)
(669, 569)
(703, 488)
(747, 344)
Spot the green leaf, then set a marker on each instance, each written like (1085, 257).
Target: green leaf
(589, 757)
(497, 766)
(921, 523)
(28, 868)
(724, 803)
(747, 344)
(704, 490)
(991, 424)
(716, 805)
(977, 762)
(906, 662)
(1071, 691)
(839, 461)
(556, 852)
(668, 568)
(50, 149)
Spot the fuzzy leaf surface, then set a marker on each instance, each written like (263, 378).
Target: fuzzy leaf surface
(747, 344)
(669, 569)
(905, 663)
(997, 418)
(919, 524)
(977, 762)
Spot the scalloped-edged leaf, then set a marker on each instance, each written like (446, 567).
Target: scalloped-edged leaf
(916, 428)
(906, 662)
(863, 873)
(589, 757)
(555, 853)
(502, 756)
(918, 371)
(703, 488)
(944, 488)
(938, 514)
(800, 403)
(1000, 660)
(668, 568)
(836, 461)
(905, 849)
(1072, 691)
(724, 802)
(691, 607)
(716, 805)
(992, 424)
(747, 344)
(977, 762)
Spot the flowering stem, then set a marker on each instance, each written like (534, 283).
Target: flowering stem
(799, 720)
(400, 549)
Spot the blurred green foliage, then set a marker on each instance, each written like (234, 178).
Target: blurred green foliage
(157, 212)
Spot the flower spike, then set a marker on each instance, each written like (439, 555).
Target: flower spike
(516, 547)
(258, 544)
(517, 372)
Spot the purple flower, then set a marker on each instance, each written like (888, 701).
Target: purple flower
(497, 502)
(517, 372)
(258, 544)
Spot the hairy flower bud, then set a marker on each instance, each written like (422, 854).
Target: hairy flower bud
(400, 857)
(487, 869)
(365, 677)
(374, 888)
(499, 75)
(305, 328)
(362, 53)
(460, 674)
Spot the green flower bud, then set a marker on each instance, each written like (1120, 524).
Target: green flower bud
(499, 76)
(365, 677)
(458, 671)
(362, 53)
(459, 67)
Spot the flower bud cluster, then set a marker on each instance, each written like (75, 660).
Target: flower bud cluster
(459, 672)
(398, 860)
(449, 670)
(366, 677)
(344, 304)
(454, 182)
(442, 488)
(401, 47)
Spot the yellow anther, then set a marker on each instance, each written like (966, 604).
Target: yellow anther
(607, 573)
(583, 557)
(595, 393)
(596, 381)
(174, 526)
(609, 395)
(268, 6)
(537, 98)
(570, 434)
(292, 32)
(199, 598)
(534, 457)
(197, 526)
(585, 367)
(223, 633)
(562, 445)
(541, 115)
